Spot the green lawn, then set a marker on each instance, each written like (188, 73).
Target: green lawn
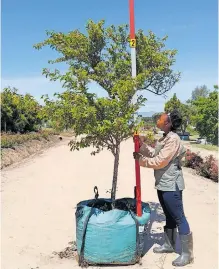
(194, 137)
(208, 147)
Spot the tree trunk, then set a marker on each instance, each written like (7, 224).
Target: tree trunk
(115, 173)
(184, 128)
(5, 127)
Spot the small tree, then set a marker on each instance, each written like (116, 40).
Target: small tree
(184, 109)
(103, 56)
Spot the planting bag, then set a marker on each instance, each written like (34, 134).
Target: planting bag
(110, 236)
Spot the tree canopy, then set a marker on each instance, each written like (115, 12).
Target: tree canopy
(19, 113)
(205, 118)
(184, 109)
(200, 91)
(102, 55)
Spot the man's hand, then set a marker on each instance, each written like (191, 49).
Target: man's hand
(137, 155)
(141, 139)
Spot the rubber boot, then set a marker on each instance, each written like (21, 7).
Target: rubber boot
(169, 242)
(186, 256)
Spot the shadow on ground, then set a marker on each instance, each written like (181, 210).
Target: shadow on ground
(152, 235)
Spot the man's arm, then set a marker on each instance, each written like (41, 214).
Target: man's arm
(165, 155)
(146, 151)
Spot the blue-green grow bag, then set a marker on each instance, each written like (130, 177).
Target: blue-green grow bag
(110, 236)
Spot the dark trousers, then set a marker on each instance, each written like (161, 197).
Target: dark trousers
(172, 204)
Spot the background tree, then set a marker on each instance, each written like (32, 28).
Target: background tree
(147, 119)
(19, 113)
(58, 112)
(199, 91)
(205, 118)
(103, 55)
(7, 108)
(184, 109)
(173, 103)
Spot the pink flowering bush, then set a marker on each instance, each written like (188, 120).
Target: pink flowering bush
(207, 168)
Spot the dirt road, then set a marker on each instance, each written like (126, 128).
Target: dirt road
(39, 198)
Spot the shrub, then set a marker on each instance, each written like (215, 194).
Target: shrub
(149, 138)
(12, 140)
(147, 127)
(193, 160)
(207, 168)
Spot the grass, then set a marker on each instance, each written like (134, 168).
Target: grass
(207, 147)
(12, 140)
(193, 137)
(191, 130)
(68, 133)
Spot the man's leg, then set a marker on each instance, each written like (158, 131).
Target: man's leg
(170, 221)
(174, 204)
(169, 230)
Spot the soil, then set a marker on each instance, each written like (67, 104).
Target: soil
(105, 206)
(39, 198)
(69, 252)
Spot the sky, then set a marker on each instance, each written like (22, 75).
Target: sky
(192, 27)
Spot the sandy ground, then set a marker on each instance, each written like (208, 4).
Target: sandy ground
(40, 195)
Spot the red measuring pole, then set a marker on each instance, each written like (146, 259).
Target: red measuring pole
(136, 135)
(138, 177)
(132, 19)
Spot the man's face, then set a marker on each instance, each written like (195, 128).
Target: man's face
(163, 123)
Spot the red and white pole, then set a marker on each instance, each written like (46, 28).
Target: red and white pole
(136, 135)
(132, 37)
